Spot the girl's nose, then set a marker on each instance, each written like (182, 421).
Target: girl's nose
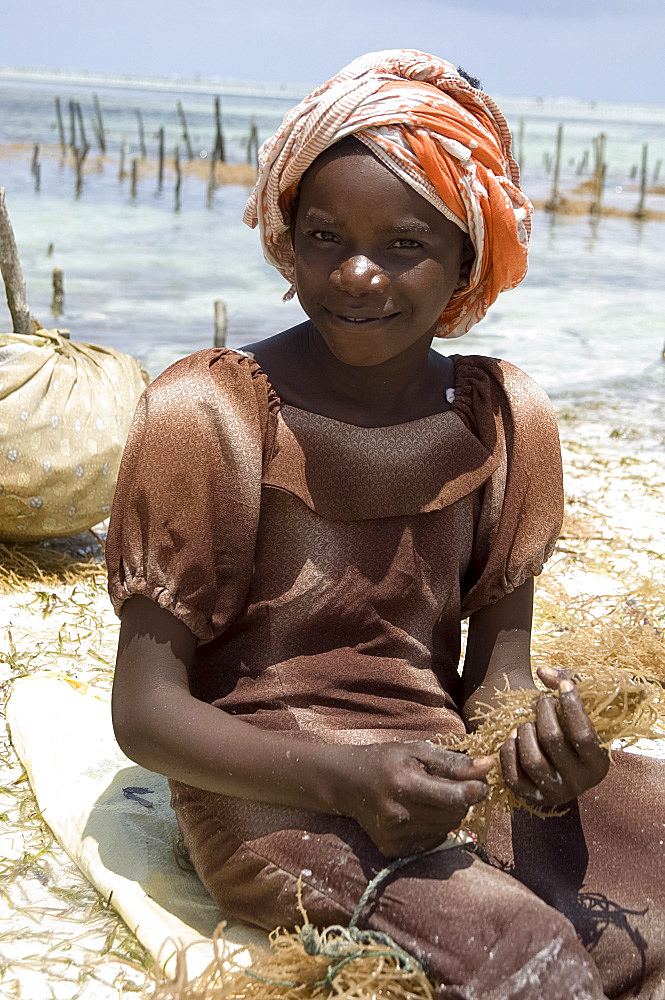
(359, 275)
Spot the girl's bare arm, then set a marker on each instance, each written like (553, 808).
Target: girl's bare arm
(407, 796)
(498, 649)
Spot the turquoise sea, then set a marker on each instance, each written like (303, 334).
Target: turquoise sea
(588, 322)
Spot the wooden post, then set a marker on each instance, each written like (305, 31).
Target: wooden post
(58, 299)
(101, 138)
(520, 145)
(178, 178)
(185, 133)
(135, 176)
(221, 323)
(656, 171)
(211, 181)
(553, 203)
(582, 165)
(139, 120)
(72, 125)
(640, 211)
(218, 153)
(160, 172)
(79, 116)
(253, 143)
(12, 275)
(123, 153)
(599, 175)
(61, 127)
(80, 155)
(36, 169)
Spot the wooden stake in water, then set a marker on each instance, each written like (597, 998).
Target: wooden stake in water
(211, 181)
(61, 127)
(101, 137)
(135, 176)
(123, 153)
(139, 121)
(219, 153)
(253, 143)
(178, 178)
(79, 118)
(185, 133)
(58, 300)
(554, 200)
(221, 323)
(12, 274)
(160, 169)
(640, 211)
(656, 171)
(36, 169)
(599, 174)
(582, 165)
(79, 155)
(72, 125)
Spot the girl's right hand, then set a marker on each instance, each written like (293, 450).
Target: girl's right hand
(410, 796)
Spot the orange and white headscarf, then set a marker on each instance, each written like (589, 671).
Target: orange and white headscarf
(434, 130)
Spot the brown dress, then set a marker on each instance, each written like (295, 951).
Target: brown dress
(325, 569)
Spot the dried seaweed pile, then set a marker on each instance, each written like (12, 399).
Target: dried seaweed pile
(306, 964)
(619, 666)
(49, 564)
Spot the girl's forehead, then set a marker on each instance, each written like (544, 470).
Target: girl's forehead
(351, 184)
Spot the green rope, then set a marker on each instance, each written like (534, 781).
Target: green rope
(339, 944)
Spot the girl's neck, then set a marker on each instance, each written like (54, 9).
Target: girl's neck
(406, 387)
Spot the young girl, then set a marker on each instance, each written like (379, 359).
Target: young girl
(299, 529)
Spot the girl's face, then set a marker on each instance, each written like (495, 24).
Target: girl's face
(375, 263)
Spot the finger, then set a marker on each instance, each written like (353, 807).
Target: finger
(552, 738)
(577, 726)
(532, 757)
(438, 795)
(513, 774)
(451, 764)
(551, 678)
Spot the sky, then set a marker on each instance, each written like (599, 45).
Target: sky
(590, 49)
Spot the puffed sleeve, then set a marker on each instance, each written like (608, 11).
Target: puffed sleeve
(520, 507)
(187, 501)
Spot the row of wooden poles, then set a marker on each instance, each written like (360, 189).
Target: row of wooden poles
(78, 145)
(598, 175)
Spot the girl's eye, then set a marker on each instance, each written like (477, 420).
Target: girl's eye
(405, 244)
(323, 236)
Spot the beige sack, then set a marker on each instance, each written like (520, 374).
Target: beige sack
(65, 411)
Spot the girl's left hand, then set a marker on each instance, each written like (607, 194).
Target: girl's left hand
(554, 759)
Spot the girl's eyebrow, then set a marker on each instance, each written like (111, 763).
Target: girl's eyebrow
(317, 218)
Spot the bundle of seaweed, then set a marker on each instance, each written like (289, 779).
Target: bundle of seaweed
(305, 964)
(619, 667)
(623, 705)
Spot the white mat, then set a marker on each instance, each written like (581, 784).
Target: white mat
(114, 820)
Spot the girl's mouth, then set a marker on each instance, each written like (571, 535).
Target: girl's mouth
(362, 320)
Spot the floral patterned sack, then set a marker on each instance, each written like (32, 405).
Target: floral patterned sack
(65, 411)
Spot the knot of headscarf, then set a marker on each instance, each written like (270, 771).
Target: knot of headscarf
(433, 129)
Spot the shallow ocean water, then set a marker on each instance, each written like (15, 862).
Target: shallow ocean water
(588, 322)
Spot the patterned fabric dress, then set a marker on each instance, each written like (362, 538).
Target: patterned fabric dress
(325, 569)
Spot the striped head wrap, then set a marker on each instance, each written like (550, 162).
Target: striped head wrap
(426, 123)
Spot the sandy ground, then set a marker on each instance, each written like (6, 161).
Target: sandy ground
(59, 939)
